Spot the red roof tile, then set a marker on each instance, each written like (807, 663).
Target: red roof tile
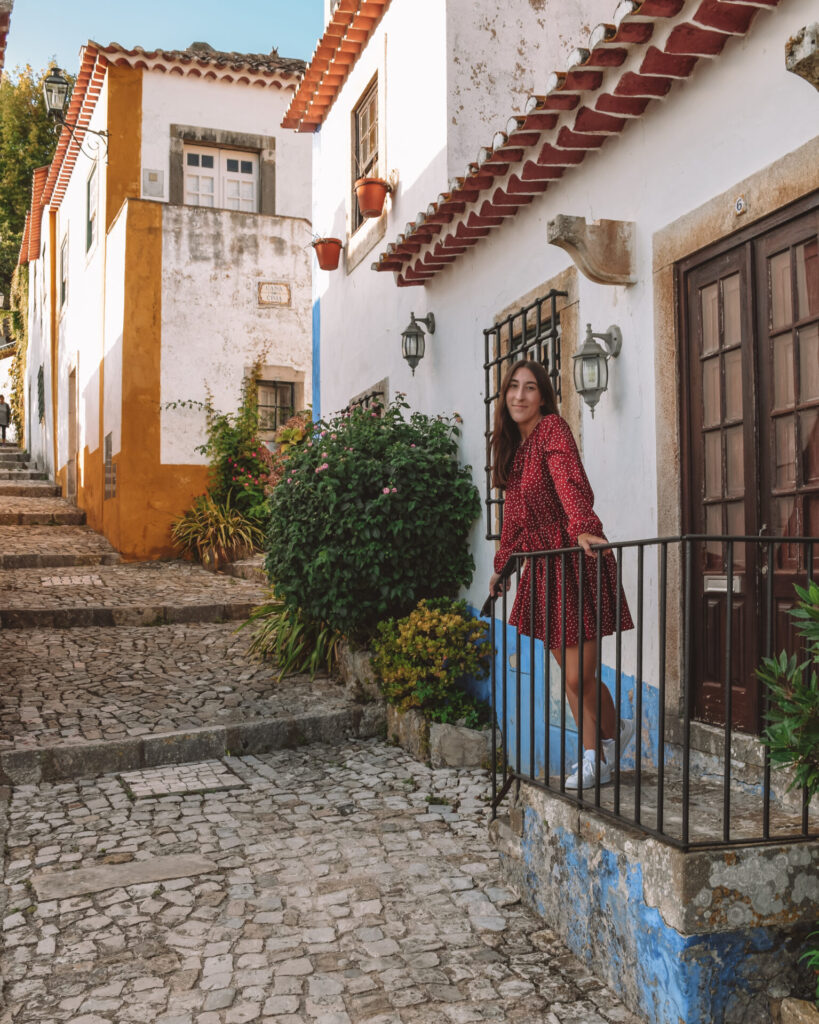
(30, 245)
(609, 83)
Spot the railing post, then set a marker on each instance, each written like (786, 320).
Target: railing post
(563, 672)
(661, 688)
(598, 673)
(532, 591)
(638, 701)
(493, 698)
(686, 782)
(581, 570)
(729, 709)
(547, 674)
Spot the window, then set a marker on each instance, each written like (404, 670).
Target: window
(41, 395)
(276, 402)
(91, 199)
(221, 178)
(64, 271)
(374, 398)
(110, 468)
(365, 149)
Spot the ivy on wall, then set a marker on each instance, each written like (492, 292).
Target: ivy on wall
(18, 315)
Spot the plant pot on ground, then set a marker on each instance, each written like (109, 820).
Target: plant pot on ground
(371, 193)
(328, 251)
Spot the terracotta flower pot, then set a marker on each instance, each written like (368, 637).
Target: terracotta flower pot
(328, 251)
(371, 193)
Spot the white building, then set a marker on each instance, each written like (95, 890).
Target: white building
(166, 260)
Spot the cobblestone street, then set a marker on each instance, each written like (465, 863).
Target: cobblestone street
(151, 874)
(347, 884)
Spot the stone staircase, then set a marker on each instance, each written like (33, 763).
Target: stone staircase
(113, 666)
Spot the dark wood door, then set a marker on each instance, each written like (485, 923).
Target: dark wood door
(723, 485)
(750, 319)
(787, 288)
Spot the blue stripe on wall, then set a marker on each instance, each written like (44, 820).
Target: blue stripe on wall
(317, 360)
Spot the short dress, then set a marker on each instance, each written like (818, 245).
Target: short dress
(548, 503)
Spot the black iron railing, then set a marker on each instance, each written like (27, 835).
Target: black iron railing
(699, 604)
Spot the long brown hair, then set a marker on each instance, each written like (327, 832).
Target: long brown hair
(505, 434)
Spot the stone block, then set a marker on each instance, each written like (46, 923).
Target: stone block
(357, 674)
(76, 760)
(455, 746)
(259, 737)
(373, 720)
(179, 747)
(798, 1011)
(410, 730)
(20, 767)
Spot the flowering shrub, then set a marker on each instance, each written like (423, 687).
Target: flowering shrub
(374, 513)
(420, 660)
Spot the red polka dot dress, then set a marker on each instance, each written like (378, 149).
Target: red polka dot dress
(548, 503)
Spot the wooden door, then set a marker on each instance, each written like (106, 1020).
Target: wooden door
(723, 486)
(787, 288)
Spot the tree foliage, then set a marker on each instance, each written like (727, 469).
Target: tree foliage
(28, 138)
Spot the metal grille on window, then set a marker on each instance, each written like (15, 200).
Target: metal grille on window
(110, 468)
(41, 395)
(276, 403)
(533, 332)
(366, 142)
(375, 399)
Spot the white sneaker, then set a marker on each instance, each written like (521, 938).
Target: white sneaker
(626, 736)
(589, 760)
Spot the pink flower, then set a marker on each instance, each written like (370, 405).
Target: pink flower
(290, 479)
(247, 485)
(412, 446)
(386, 490)
(395, 490)
(324, 455)
(322, 433)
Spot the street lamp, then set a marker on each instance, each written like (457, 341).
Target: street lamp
(56, 89)
(591, 366)
(413, 345)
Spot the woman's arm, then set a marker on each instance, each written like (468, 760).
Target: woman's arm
(571, 483)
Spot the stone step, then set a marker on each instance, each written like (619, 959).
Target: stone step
(39, 511)
(22, 474)
(28, 547)
(139, 594)
(30, 489)
(84, 701)
(12, 458)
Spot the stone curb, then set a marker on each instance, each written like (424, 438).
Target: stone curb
(35, 489)
(56, 560)
(22, 474)
(133, 615)
(68, 518)
(78, 760)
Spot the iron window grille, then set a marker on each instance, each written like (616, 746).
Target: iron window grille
(375, 398)
(41, 394)
(276, 403)
(532, 332)
(110, 468)
(365, 124)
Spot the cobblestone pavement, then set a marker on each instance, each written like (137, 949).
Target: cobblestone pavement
(33, 546)
(341, 885)
(146, 591)
(17, 510)
(75, 685)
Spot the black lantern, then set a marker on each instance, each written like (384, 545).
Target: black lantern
(591, 366)
(55, 91)
(412, 339)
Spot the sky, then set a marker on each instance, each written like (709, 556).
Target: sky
(42, 30)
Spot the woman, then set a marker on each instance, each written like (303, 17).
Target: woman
(549, 505)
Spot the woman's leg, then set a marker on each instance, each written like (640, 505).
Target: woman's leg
(608, 717)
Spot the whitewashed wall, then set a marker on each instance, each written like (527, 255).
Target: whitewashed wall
(114, 323)
(80, 321)
(500, 54)
(739, 113)
(173, 99)
(213, 328)
(40, 436)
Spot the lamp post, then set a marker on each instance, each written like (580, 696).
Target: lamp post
(591, 366)
(56, 89)
(413, 345)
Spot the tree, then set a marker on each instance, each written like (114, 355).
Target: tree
(28, 138)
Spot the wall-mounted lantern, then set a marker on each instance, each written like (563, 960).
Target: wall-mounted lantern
(56, 88)
(591, 367)
(412, 339)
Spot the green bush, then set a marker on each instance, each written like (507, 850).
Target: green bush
(214, 532)
(373, 514)
(294, 642)
(792, 735)
(421, 660)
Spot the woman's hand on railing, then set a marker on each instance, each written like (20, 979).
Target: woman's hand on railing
(496, 584)
(586, 540)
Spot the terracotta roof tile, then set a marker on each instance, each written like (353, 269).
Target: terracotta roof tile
(200, 59)
(625, 66)
(30, 245)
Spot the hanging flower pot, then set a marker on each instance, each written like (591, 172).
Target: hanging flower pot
(371, 193)
(328, 251)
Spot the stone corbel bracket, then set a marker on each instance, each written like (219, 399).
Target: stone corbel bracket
(802, 54)
(602, 250)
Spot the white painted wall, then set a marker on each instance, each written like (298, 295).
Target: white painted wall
(734, 117)
(114, 323)
(40, 439)
(213, 328)
(174, 99)
(500, 54)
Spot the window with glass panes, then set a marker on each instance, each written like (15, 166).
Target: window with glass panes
(221, 178)
(365, 123)
(276, 403)
(91, 209)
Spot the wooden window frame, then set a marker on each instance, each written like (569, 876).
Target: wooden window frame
(368, 168)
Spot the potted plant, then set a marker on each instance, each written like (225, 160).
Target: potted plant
(328, 251)
(371, 193)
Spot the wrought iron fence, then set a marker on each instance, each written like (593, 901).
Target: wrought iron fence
(687, 795)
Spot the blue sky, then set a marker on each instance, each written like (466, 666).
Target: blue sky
(43, 29)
